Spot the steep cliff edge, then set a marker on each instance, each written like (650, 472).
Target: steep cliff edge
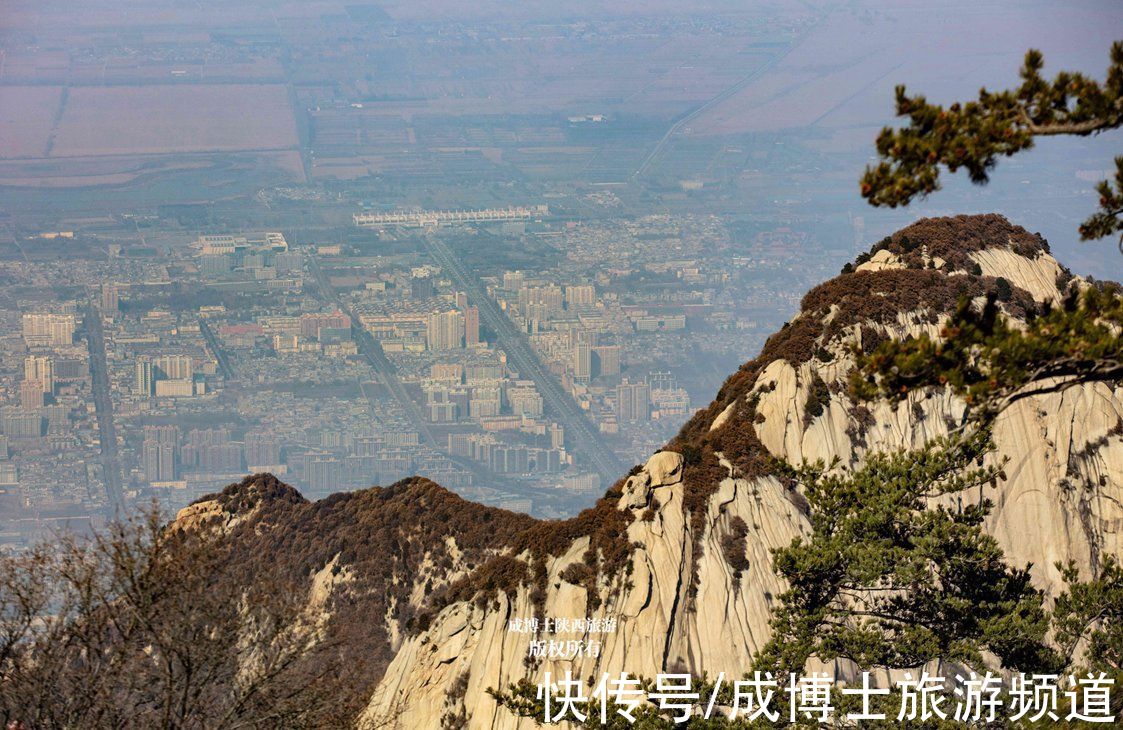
(677, 556)
(427, 599)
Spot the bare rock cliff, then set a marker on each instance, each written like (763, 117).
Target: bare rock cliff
(697, 590)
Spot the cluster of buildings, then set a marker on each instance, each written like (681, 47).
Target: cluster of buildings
(434, 218)
(49, 439)
(260, 262)
(228, 354)
(433, 323)
(45, 403)
(168, 376)
(340, 460)
(315, 332)
(584, 336)
(508, 458)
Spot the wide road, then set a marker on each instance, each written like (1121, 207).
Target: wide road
(103, 407)
(585, 441)
(372, 351)
(220, 355)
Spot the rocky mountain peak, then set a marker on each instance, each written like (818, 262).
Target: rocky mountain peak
(687, 575)
(677, 556)
(951, 241)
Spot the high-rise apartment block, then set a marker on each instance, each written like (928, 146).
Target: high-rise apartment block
(159, 453)
(582, 361)
(145, 381)
(580, 295)
(633, 402)
(110, 299)
(31, 395)
(471, 326)
(606, 360)
(445, 330)
(42, 369)
(47, 329)
(174, 367)
(262, 450)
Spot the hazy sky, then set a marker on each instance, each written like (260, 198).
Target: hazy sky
(836, 82)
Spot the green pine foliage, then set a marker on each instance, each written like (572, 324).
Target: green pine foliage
(1092, 611)
(974, 135)
(1108, 220)
(897, 569)
(895, 574)
(992, 362)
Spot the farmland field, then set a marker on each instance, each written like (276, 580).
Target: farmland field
(26, 113)
(163, 119)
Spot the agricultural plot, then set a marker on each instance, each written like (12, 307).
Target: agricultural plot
(164, 119)
(26, 115)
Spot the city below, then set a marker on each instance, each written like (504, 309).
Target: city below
(167, 370)
(512, 250)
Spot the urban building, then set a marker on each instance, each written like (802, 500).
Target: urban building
(48, 329)
(31, 395)
(174, 367)
(632, 401)
(41, 369)
(262, 450)
(580, 295)
(145, 381)
(445, 330)
(159, 453)
(606, 360)
(582, 362)
(471, 326)
(110, 299)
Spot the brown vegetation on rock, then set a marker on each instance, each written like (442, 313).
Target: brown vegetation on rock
(733, 548)
(413, 548)
(954, 239)
(388, 539)
(855, 299)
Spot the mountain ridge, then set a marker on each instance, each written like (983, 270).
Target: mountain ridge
(679, 550)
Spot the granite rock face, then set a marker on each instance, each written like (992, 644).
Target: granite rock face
(682, 607)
